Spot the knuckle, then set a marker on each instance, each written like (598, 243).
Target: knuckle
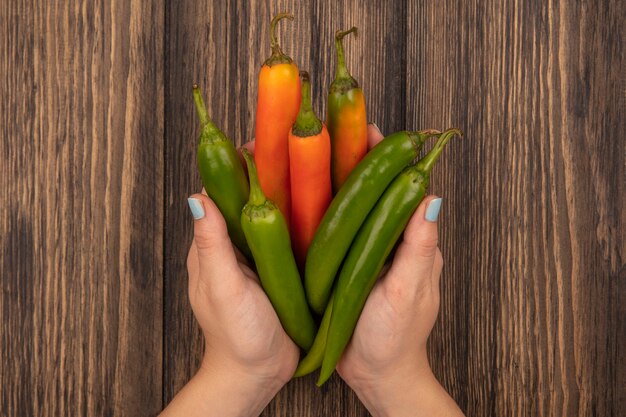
(208, 237)
(422, 289)
(205, 243)
(423, 293)
(394, 291)
(426, 246)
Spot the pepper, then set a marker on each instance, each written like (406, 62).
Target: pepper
(277, 107)
(309, 162)
(222, 174)
(350, 207)
(372, 245)
(268, 236)
(313, 359)
(346, 118)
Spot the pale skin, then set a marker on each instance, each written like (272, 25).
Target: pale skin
(248, 357)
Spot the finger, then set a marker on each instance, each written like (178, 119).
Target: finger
(217, 262)
(245, 265)
(414, 261)
(373, 135)
(240, 257)
(249, 146)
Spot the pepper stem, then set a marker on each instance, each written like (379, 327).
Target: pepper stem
(257, 197)
(208, 127)
(305, 105)
(426, 163)
(428, 133)
(421, 136)
(200, 106)
(342, 70)
(276, 51)
(307, 124)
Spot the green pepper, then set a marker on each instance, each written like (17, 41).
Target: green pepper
(222, 174)
(372, 245)
(313, 359)
(267, 233)
(348, 210)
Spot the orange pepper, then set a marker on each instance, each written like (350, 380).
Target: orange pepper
(309, 162)
(346, 118)
(277, 107)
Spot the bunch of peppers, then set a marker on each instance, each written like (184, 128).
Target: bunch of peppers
(315, 197)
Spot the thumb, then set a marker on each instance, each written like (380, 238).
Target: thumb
(216, 256)
(373, 135)
(413, 263)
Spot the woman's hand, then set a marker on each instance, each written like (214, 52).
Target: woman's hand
(248, 355)
(386, 361)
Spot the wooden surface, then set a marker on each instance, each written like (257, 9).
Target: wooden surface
(97, 145)
(81, 185)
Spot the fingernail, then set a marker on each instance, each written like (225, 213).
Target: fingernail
(432, 211)
(376, 126)
(197, 211)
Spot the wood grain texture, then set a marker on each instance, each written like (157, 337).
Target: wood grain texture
(533, 228)
(98, 139)
(532, 233)
(230, 41)
(81, 185)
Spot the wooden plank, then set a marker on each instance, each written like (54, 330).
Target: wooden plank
(217, 46)
(531, 313)
(222, 48)
(189, 53)
(533, 227)
(81, 177)
(372, 59)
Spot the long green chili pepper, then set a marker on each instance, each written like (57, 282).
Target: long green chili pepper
(268, 236)
(348, 210)
(372, 245)
(313, 359)
(222, 174)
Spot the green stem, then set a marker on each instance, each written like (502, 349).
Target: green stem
(421, 136)
(305, 105)
(200, 106)
(277, 57)
(428, 133)
(342, 70)
(307, 124)
(257, 198)
(209, 130)
(426, 164)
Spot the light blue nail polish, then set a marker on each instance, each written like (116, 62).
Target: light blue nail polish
(432, 211)
(197, 210)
